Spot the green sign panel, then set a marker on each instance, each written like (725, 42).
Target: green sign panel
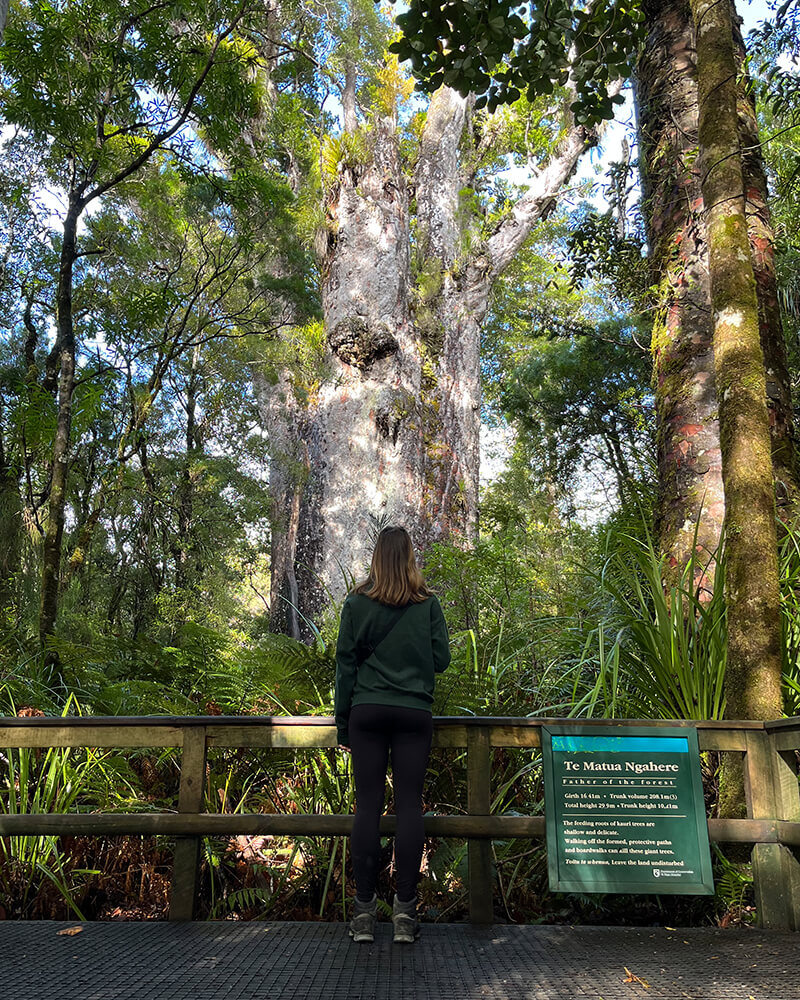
(624, 809)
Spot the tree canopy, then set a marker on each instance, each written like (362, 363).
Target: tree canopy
(500, 49)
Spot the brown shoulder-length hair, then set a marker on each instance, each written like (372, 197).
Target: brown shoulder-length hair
(394, 577)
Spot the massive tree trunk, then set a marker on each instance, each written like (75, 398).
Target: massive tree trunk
(447, 315)
(753, 680)
(369, 411)
(689, 458)
(393, 433)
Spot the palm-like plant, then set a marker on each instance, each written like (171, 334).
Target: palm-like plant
(658, 650)
(49, 781)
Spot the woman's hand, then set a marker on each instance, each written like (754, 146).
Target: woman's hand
(346, 749)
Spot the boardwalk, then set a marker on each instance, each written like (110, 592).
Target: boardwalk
(245, 961)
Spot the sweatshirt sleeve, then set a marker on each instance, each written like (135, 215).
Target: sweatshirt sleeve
(346, 671)
(440, 639)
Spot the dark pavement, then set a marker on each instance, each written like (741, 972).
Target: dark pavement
(312, 961)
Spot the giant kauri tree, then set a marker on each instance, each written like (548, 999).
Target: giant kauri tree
(408, 258)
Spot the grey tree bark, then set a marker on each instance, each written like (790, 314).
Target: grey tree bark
(3, 18)
(392, 433)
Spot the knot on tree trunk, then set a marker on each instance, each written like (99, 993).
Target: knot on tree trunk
(358, 342)
(388, 424)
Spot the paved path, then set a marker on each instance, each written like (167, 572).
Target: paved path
(308, 961)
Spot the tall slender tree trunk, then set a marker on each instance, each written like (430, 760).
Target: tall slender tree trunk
(691, 505)
(689, 457)
(753, 681)
(762, 246)
(3, 16)
(10, 531)
(188, 568)
(54, 533)
(295, 438)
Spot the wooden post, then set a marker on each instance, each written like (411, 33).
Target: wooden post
(190, 800)
(787, 796)
(479, 802)
(773, 896)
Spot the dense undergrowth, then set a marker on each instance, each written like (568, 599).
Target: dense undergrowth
(618, 645)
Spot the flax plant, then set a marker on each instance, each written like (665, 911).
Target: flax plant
(789, 566)
(36, 782)
(658, 650)
(517, 671)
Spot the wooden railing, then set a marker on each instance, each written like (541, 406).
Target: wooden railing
(772, 825)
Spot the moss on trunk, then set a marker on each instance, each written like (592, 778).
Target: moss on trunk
(65, 344)
(689, 460)
(11, 536)
(762, 247)
(754, 661)
(691, 507)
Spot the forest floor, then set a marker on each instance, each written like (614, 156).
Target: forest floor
(49, 960)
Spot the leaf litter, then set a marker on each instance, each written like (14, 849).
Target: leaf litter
(634, 978)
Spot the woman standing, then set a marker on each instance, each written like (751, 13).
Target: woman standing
(392, 642)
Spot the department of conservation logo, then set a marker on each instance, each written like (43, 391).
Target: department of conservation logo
(671, 872)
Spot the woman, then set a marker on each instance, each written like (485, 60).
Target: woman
(392, 642)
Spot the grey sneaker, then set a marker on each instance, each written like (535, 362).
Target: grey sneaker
(362, 924)
(404, 919)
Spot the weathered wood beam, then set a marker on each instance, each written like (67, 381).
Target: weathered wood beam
(732, 831)
(479, 852)
(253, 824)
(186, 864)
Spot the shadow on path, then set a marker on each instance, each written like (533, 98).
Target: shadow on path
(311, 961)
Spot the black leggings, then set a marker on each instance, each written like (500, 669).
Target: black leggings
(374, 730)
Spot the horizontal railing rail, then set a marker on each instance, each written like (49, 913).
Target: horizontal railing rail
(769, 752)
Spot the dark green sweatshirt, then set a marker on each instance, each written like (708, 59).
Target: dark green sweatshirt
(402, 669)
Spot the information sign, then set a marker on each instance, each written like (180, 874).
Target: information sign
(624, 809)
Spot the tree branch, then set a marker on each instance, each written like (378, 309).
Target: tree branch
(183, 117)
(548, 183)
